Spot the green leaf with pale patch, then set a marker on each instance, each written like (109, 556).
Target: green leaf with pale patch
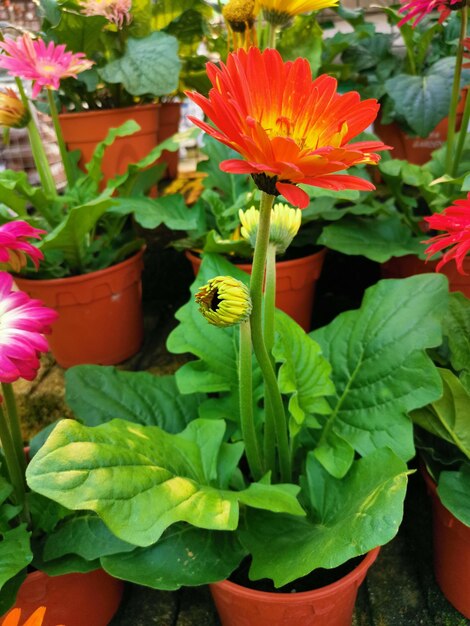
(348, 517)
(141, 480)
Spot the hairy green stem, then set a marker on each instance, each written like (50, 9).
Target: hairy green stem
(246, 403)
(262, 356)
(69, 173)
(450, 163)
(269, 308)
(462, 135)
(37, 148)
(14, 423)
(271, 36)
(11, 461)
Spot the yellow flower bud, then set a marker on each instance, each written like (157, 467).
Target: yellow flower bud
(224, 301)
(285, 223)
(13, 113)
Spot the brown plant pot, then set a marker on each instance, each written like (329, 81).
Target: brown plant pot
(451, 542)
(71, 599)
(296, 282)
(416, 150)
(84, 130)
(169, 120)
(410, 265)
(100, 313)
(332, 605)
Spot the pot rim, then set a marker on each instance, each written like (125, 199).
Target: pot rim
(105, 112)
(192, 255)
(358, 572)
(67, 280)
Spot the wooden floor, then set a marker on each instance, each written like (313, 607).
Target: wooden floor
(400, 589)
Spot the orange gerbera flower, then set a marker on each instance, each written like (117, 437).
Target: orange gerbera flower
(288, 128)
(36, 619)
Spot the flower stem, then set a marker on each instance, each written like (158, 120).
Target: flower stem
(246, 403)
(462, 135)
(37, 149)
(271, 36)
(11, 461)
(14, 423)
(262, 356)
(60, 139)
(450, 163)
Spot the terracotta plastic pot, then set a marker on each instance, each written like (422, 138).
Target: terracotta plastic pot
(332, 605)
(100, 313)
(296, 282)
(169, 119)
(71, 599)
(416, 150)
(410, 265)
(451, 541)
(83, 130)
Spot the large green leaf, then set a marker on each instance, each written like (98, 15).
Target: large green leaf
(140, 479)
(454, 490)
(376, 239)
(69, 237)
(15, 549)
(151, 212)
(86, 536)
(348, 518)
(98, 394)
(304, 374)
(456, 328)
(448, 417)
(183, 556)
(302, 39)
(380, 369)
(94, 165)
(149, 66)
(423, 101)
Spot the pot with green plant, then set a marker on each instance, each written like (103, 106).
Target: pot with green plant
(410, 70)
(442, 437)
(273, 451)
(120, 38)
(75, 591)
(90, 235)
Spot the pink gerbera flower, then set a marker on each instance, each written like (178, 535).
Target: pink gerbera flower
(45, 65)
(287, 127)
(116, 11)
(455, 220)
(14, 247)
(23, 323)
(418, 9)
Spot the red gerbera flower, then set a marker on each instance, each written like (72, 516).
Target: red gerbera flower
(418, 9)
(288, 128)
(455, 220)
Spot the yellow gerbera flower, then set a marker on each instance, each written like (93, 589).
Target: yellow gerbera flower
(224, 301)
(279, 12)
(285, 223)
(240, 16)
(13, 113)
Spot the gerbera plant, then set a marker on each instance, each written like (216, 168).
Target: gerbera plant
(86, 229)
(284, 449)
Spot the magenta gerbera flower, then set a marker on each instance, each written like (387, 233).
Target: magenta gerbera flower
(23, 323)
(15, 247)
(416, 10)
(455, 220)
(116, 11)
(45, 65)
